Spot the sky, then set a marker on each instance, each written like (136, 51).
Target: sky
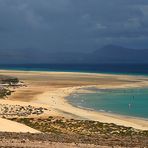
(72, 25)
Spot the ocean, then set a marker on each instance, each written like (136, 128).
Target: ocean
(131, 102)
(133, 69)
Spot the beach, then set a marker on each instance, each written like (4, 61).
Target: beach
(50, 89)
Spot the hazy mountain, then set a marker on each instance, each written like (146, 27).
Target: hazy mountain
(106, 54)
(118, 54)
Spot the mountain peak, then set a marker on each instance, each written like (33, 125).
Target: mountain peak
(119, 54)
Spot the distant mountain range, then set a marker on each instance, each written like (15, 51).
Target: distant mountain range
(106, 54)
(118, 54)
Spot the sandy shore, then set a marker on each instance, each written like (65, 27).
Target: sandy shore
(49, 89)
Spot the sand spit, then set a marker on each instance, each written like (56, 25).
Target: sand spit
(50, 89)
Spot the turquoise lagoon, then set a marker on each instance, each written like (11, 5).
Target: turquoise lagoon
(129, 102)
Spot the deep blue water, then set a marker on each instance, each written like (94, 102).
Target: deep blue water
(141, 69)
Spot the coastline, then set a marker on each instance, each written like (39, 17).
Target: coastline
(62, 105)
(54, 95)
(76, 104)
(78, 68)
(109, 113)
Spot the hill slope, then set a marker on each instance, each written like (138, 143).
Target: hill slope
(118, 54)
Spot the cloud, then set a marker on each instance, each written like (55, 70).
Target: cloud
(72, 24)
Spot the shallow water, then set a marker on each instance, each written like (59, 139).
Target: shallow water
(131, 102)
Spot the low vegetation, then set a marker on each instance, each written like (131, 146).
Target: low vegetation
(5, 92)
(11, 111)
(90, 132)
(5, 83)
(8, 80)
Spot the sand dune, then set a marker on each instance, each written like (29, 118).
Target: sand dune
(10, 126)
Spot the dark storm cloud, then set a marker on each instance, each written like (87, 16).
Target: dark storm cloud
(72, 24)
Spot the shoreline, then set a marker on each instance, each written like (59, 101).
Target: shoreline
(109, 113)
(77, 72)
(54, 94)
(85, 114)
(100, 110)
